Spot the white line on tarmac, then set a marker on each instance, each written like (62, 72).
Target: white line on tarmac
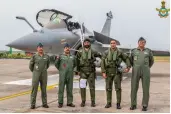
(54, 79)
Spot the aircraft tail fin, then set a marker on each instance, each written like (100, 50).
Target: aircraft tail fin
(106, 28)
(104, 36)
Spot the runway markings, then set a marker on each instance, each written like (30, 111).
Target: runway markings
(52, 79)
(25, 93)
(100, 85)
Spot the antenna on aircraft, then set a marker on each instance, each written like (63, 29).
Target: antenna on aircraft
(23, 18)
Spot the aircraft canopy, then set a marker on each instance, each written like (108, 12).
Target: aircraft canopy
(46, 16)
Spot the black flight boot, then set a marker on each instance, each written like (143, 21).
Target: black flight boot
(108, 105)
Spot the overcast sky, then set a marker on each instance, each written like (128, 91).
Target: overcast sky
(132, 19)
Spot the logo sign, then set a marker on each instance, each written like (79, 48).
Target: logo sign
(163, 11)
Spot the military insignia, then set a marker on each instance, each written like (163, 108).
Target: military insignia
(37, 67)
(135, 58)
(64, 65)
(63, 41)
(163, 12)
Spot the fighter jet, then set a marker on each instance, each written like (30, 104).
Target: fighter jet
(57, 29)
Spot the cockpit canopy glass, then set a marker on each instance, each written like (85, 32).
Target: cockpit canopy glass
(52, 19)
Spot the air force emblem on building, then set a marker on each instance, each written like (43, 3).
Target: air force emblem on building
(163, 11)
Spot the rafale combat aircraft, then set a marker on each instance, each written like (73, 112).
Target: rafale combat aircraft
(57, 29)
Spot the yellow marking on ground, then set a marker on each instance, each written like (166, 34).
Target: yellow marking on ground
(24, 93)
(28, 92)
(162, 59)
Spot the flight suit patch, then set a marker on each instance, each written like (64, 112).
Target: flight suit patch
(135, 58)
(64, 65)
(37, 67)
(137, 52)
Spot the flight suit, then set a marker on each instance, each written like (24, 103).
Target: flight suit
(110, 62)
(141, 61)
(86, 67)
(65, 64)
(39, 65)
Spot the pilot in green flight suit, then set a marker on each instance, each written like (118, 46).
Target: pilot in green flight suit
(39, 64)
(109, 66)
(86, 70)
(141, 60)
(65, 63)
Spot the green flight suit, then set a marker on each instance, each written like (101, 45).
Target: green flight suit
(39, 65)
(65, 64)
(141, 61)
(110, 62)
(86, 67)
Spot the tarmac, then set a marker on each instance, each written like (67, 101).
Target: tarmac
(15, 88)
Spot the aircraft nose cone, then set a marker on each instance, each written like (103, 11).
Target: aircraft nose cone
(27, 42)
(18, 44)
(15, 44)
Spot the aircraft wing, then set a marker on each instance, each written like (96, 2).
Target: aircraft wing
(156, 52)
(46, 16)
(104, 39)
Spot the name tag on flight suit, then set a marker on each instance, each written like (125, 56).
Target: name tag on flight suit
(145, 52)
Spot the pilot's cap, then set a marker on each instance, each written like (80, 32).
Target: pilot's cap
(66, 45)
(39, 45)
(141, 39)
(87, 40)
